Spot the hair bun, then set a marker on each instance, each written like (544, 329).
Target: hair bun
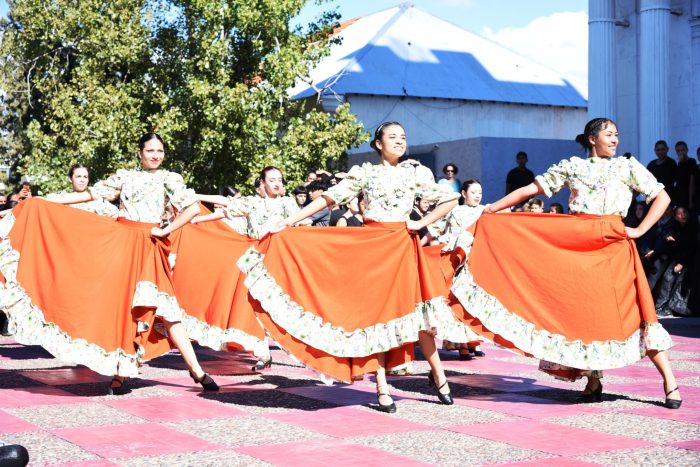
(580, 139)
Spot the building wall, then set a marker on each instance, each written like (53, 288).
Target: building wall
(428, 121)
(683, 76)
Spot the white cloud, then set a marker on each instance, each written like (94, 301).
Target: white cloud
(558, 41)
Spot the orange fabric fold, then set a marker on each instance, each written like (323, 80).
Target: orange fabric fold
(81, 270)
(578, 276)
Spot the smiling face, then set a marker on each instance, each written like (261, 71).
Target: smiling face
(472, 197)
(152, 154)
(392, 144)
(604, 144)
(273, 183)
(80, 179)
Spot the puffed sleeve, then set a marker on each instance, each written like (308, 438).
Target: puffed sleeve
(109, 188)
(555, 178)
(238, 207)
(355, 182)
(643, 181)
(427, 189)
(290, 206)
(178, 193)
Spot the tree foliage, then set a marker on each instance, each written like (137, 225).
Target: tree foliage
(84, 79)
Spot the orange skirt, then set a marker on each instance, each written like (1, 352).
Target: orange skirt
(210, 289)
(567, 289)
(84, 286)
(335, 298)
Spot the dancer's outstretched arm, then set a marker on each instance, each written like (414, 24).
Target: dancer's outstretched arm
(71, 198)
(310, 209)
(214, 199)
(208, 217)
(440, 210)
(181, 219)
(515, 197)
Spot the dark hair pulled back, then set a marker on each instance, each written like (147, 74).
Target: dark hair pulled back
(147, 137)
(379, 133)
(75, 167)
(592, 128)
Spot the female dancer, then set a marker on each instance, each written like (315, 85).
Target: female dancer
(67, 314)
(79, 177)
(343, 321)
(217, 300)
(600, 313)
(451, 230)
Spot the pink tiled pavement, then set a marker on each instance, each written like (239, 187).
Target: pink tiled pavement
(328, 453)
(504, 409)
(172, 409)
(551, 438)
(119, 441)
(347, 422)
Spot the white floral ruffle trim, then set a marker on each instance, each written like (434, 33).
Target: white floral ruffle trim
(216, 338)
(167, 308)
(552, 347)
(30, 327)
(433, 316)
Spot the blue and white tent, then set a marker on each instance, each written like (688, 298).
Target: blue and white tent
(404, 51)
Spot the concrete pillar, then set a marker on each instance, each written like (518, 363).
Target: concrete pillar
(601, 59)
(654, 23)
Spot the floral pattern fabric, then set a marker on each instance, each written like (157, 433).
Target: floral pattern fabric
(262, 213)
(451, 229)
(100, 207)
(600, 185)
(144, 194)
(390, 191)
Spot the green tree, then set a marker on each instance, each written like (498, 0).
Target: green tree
(84, 79)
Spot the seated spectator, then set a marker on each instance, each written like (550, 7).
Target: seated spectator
(556, 208)
(450, 170)
(534, 205)
(671, 296)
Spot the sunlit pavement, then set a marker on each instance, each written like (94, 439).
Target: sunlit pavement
(506, 413)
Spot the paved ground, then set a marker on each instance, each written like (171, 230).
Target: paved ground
(506, 413)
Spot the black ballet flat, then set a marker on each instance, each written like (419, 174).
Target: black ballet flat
(262, 364)
(593, 396)
(477, 353)
(672, 403)
(13, 455)
(117, 390)
(444, 398)
(208, 384)
(465, 356)
(389, 408)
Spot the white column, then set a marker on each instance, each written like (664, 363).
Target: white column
(654, 19)
(601, 59)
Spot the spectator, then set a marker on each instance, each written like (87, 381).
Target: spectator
(664, 168)
(687, 173)
(450, 170)
(301, 196)
(323, 217)
(520, 176)
(421, 207)
(534, 205)
(660, 248)
(353, 216)
(23, 191)
(672, 294)
(556, 208)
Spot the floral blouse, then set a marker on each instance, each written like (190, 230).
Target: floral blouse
(390, 191)
(143, 194)
(600, 185)
(449, 228)
(101, 207)
(262, 213)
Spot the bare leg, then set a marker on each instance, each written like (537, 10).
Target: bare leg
(382, 383)
(179, 337)
(427, 345)
(660, 361)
